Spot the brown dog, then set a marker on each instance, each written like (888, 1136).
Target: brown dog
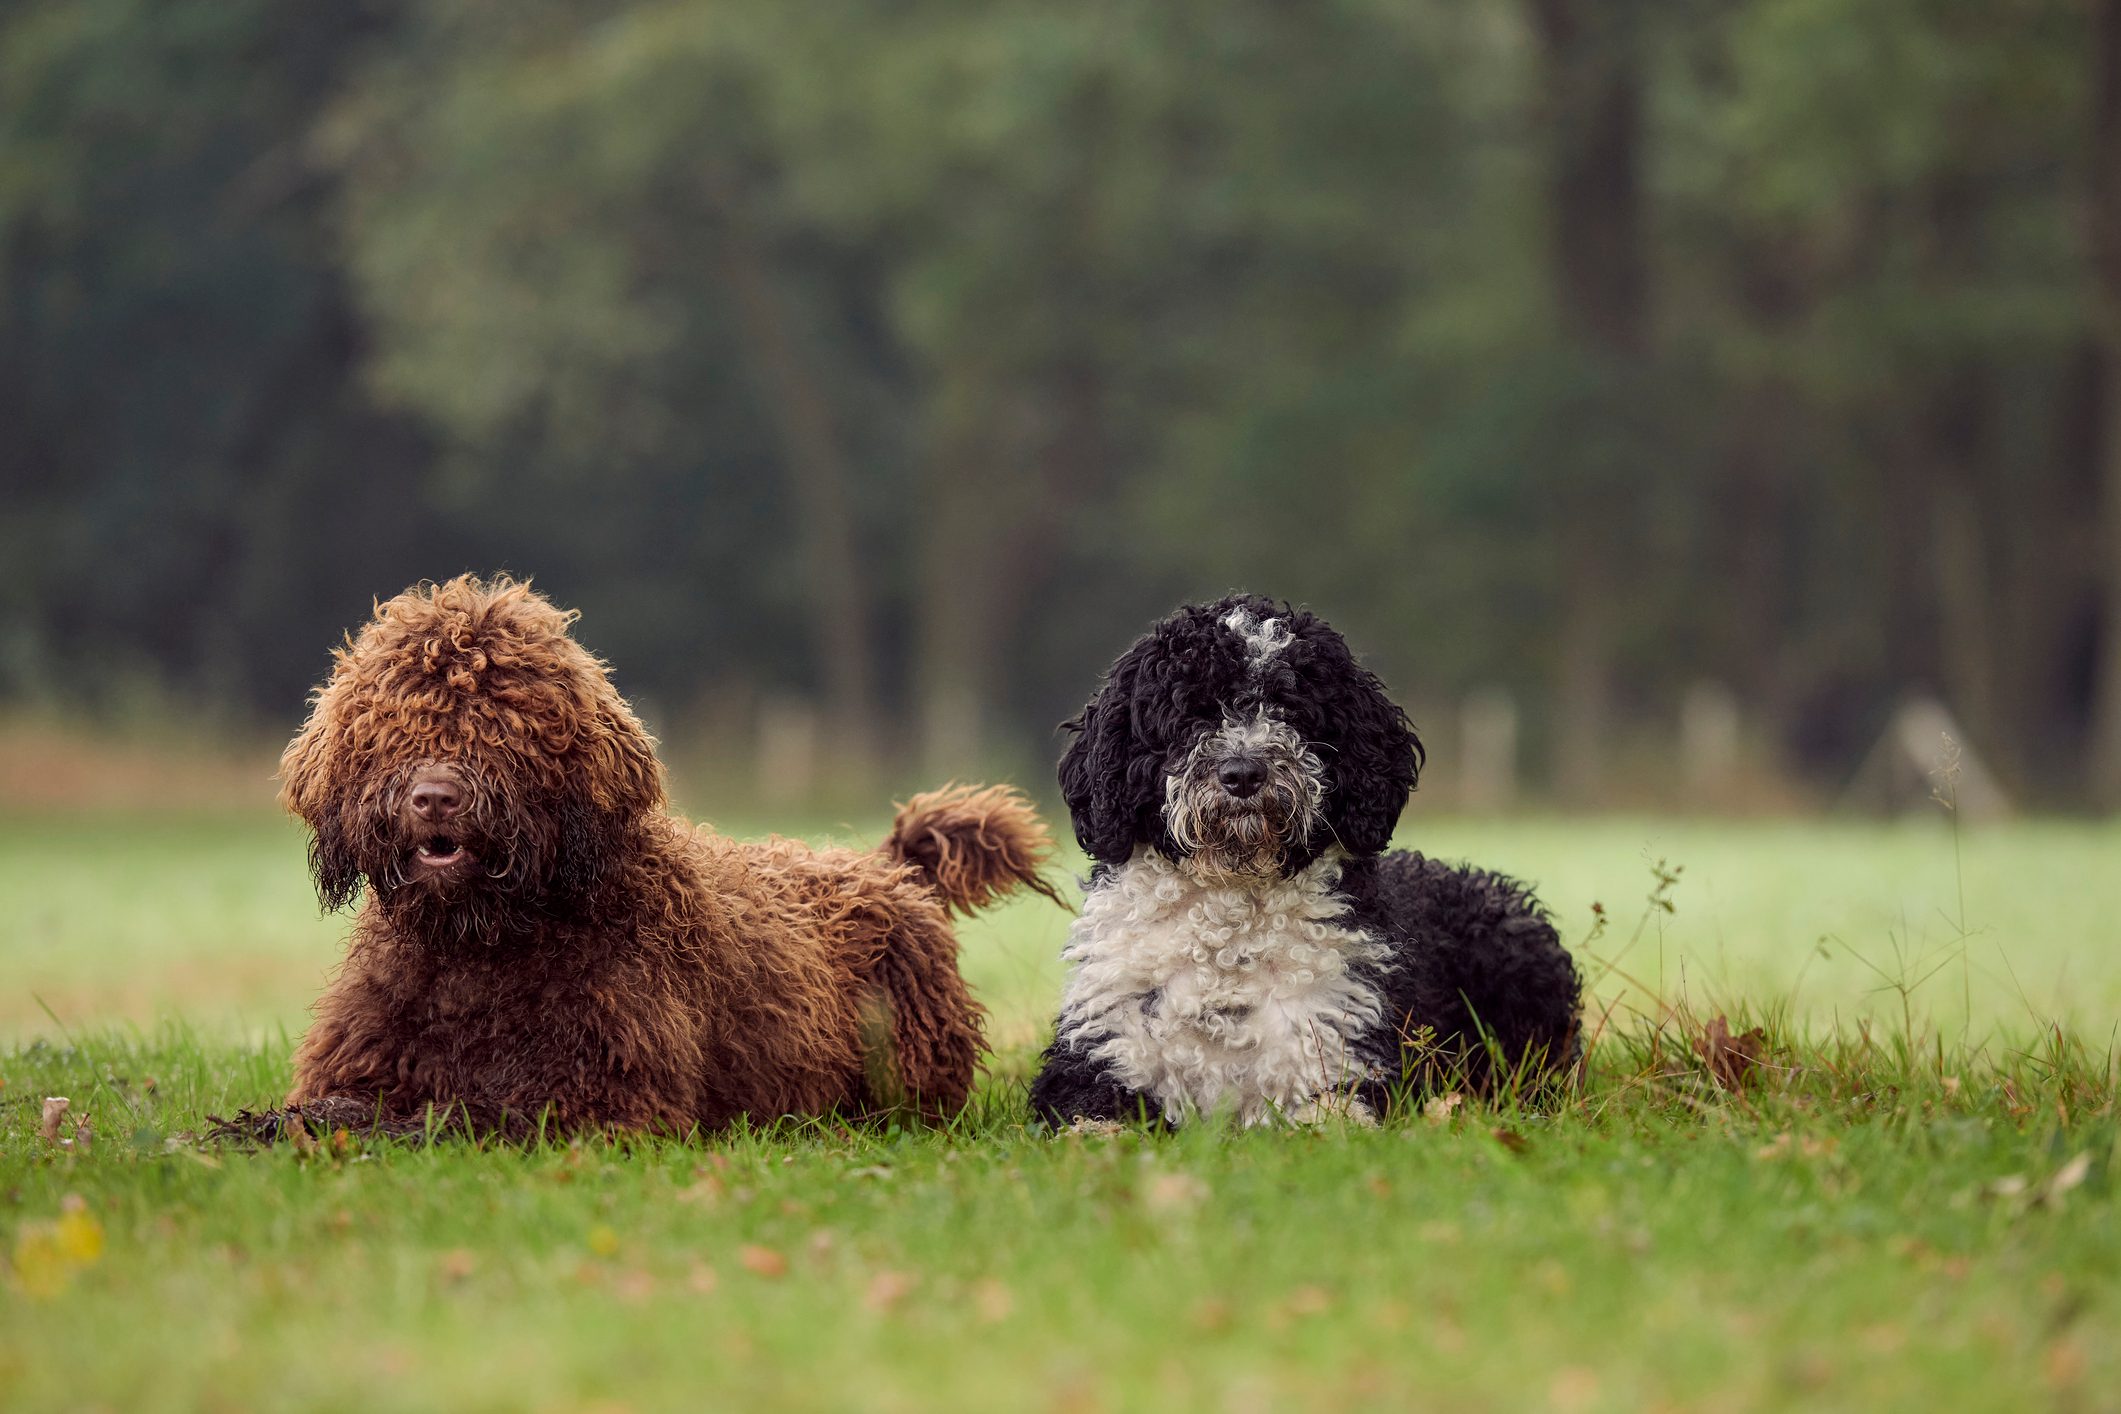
(543, 942)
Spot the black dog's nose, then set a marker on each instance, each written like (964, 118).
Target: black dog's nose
(435, 799)
(1242, 777)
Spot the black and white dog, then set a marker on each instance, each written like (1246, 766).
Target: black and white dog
(1245, 945)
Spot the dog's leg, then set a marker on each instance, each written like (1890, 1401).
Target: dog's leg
(921, 1028)
(1071, 1088)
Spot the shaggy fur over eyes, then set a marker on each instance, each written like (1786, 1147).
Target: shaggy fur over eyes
(541, 941)
(1245, 944)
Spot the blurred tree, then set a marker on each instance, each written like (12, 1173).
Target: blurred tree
(912, 357)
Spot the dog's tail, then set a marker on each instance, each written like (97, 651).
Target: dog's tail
(973, 844)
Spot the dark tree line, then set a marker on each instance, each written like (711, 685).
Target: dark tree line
(906, 358)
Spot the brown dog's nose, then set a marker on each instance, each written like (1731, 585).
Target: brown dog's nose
(435, 799)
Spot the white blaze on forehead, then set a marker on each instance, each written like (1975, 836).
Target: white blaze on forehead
(1263, 637)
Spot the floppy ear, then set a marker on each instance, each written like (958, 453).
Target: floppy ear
(306, 791)
(1092, 777)
(1380, 761)
(305, 764)
(333, 865)
(624, 775)
(1112, 774)
(1374, 756)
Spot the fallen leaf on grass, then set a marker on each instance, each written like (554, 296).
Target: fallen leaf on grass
(887, 1289)
(992, 1301)
(1211, 1315)
(457, 1264)
(55, 1107)
(708, 1189)
(1573, 1387)
(1310, 1301)
(2063, 1364)
(299, 1138)
(1439, 1110)
(2069, 1176)
(1513, 1141)
(762, 1261)
(1170, 1194)
(47, 1254)
(2048, 1193)
(1732, 1060)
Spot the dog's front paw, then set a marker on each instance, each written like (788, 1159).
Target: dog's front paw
(1334, 1109)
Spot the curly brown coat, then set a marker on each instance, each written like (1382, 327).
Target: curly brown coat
(542, 941)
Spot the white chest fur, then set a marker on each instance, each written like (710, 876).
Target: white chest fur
(1211, 996)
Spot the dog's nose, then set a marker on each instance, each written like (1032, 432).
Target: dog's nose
(1242, 777)
(435, 799)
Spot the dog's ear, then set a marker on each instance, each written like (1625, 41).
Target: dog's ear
(1112, 774)
(333, 863)
(623, 773)
(1373, 757)
(1092, 777)
(305, 766)
(308, 789)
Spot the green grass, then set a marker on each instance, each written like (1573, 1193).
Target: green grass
(1908, 1204)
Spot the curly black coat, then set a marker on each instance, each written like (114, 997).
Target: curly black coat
(1449, 971)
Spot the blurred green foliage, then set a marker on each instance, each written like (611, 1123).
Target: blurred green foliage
(908, 358)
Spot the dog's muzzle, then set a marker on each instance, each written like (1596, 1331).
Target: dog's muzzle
(1243, 796)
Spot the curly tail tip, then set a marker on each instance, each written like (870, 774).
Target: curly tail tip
(973, 844)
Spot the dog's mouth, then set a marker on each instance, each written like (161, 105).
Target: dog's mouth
(441, 854)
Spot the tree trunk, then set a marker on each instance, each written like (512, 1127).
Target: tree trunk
(998, 487)
(2105, 734)
(1592, 77)
(819, 475)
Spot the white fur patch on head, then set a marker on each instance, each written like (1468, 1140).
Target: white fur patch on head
(1204, 996)
(1263, 637)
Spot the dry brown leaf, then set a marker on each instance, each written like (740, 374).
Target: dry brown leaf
(1310, 1301)
(887, 1289)
(298, 1136)
(2063, 1364)
(1513, 1141)
(457, 1264)
(762, 1261)
(707, 1190)
(1170, 1194)
(1732, 1060)
(55, 1107)
(2069, 1176)
(1573, 1387)
(992, 1301)
(1212, 1315)
(1440, 1109)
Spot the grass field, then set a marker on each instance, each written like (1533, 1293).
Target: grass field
(1909, 1203)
